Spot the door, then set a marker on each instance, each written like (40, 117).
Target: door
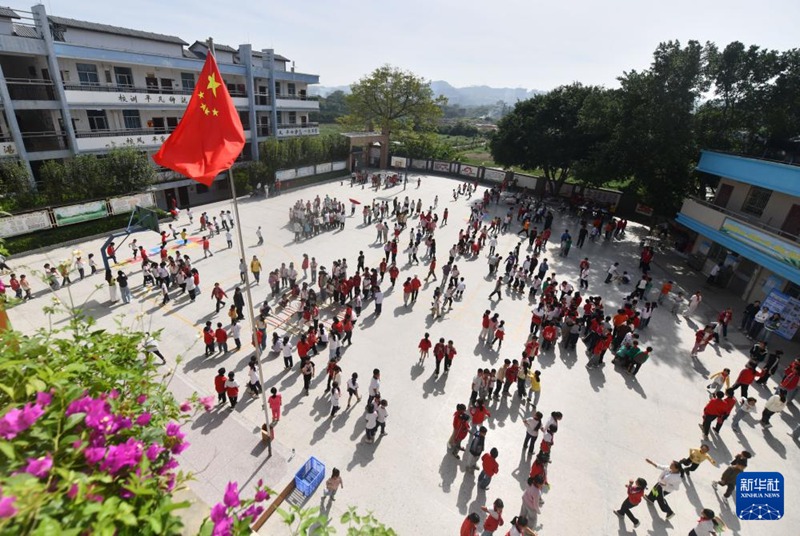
(791, 225)
(723, 195)
(183, 196)
(172, 123)
(158, 125)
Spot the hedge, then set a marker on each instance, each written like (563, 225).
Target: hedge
(61, 235)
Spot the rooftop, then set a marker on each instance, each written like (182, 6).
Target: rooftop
(8, 13)
(106, 28)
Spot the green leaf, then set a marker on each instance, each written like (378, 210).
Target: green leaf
(155, 524)
(8, 449)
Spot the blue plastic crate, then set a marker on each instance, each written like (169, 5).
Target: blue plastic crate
(310, 476)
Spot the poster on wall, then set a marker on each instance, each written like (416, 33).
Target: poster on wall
(419, 164)
(444, 167)
(24, 223)
(324, 168)
(79, 213)
(126, 204)
(776, 248)
(338, 166)
(494, 175)
(788, 308)
(469, 171)
(305, 171)
(286, 174)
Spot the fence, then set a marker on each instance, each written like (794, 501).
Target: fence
(47, 218)
(307, 171)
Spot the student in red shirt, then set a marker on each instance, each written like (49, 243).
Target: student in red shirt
(221, 336)
(438, 354)
(715, 407)
(432, 269)
(730, 402)
(549, 336)
(635, 493)
(460, 429)
(449, 354)
(218, 294)
(511, 377)
(745, 378)
(111, 253)
(415, 286)
(479, 413)
(470, 525)
(485, 323)
(207, 248)
(424, 346)
(495, 518)
(490, 468)
(219, 385)
(394, 271)
(208, 338)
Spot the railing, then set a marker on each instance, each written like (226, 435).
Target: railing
(123, 132)
(25, 25)
(750, 220)
(44, 141)
(153, 90)
(297, 97)
(262, 99)
(30, 89)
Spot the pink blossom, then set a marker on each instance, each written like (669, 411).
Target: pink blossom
(44, 399)
(141, 399)
(177, 448)
(260, 483)
(73, 491)
(113, 394)
(171, 481)
(208, 402)
(143, 419)
(252, 512)
(170, 464)
(94, 454)
(127, 454)
(223, 528)
(261, 495)
(153, 451)
(18, 420)
(218, 512)
(231, 497)
(7, 508)
(39, 467)
(174, 430)
(94, 497)
(186, 407)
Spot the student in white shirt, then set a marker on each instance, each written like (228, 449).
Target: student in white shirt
(668, 481)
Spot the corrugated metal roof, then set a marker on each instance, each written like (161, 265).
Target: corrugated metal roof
(105, 28)
(8, 13)
(20, 30)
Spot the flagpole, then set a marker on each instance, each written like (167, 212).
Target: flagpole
(250, 305)
(248, 293)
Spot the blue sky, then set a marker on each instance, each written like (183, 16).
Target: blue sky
(503, 43)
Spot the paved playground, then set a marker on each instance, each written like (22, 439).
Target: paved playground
(611, 422)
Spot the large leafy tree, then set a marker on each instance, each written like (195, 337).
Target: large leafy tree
(552, 132)
(332, 107)
(16, 191)
(390, 99)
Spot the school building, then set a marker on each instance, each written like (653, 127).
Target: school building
(70, 87)
(750, 224)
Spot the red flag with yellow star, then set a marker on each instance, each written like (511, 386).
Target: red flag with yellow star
(210, 136)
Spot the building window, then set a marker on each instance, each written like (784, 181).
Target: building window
(292, 90)
(201, 188)
(187, 81)
(277, 88)
(97, 120)
(132, 119)
(280, 118)
(756, 202)
(87, 74)
(292, 118)
(124, 76)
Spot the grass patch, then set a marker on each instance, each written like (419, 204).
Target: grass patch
(330, 128)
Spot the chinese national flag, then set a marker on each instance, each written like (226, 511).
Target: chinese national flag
(210, 136)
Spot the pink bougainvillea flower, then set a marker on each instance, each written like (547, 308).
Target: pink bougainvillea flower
(18, 420)
(72, 492)
(7, 508)
(141, 399)
(143, 419)
(252, 512)
(186, 407)
(94, 454)
(231, 497)
(223, 528)
(170, 464)
(218, 512)
(44, 399)
(127, 454)
(153, 451)
(261, 495)
(207, 402)
(113, 394)
(39, 467)
(174, 430)
(177, 448)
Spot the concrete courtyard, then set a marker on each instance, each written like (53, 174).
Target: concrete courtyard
(611, 423)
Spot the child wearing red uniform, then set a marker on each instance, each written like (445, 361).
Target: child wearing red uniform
(635, 493)
(549, 336)
(219, 385)
(221, 336)
(424, 346)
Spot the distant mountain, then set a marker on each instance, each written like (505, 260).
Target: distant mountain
(463, 96)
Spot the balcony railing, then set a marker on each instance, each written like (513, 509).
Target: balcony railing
(44, 141)
(123, 132)
(750, 220)
(153, 90)
(262, 130)
(30, 89)
(297, 97)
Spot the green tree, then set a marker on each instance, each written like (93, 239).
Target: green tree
(126, 170)
(391, 99)
(655, 142)
(16, 191)
(421, 145)
(547, 133)
(332, 107)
